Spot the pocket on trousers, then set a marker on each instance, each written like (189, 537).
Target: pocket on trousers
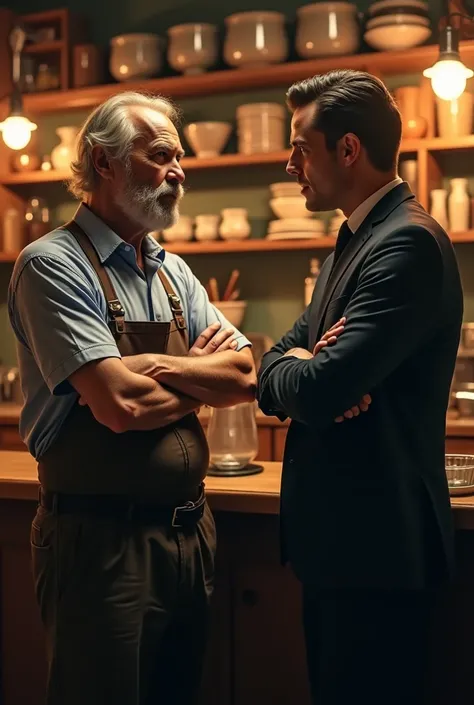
(41, 532)
(207, 540)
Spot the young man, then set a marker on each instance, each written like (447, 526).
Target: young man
(366, 517)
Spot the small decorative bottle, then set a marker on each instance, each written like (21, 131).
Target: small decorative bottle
(458, 206)
(310, 282)
(438, 207)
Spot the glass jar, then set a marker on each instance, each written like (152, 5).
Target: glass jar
(233, 440)
(37, 219)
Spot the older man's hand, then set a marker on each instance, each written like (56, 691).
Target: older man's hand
(213, 339)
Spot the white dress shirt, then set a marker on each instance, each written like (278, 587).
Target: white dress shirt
(356, 219)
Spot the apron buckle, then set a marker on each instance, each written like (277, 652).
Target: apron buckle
(116, 309)
(175, 302)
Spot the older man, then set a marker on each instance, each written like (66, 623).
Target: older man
(114, 338)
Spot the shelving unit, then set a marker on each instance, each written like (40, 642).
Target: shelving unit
(227, 161)
(224, 161)
(217, 247)
(234, 80)
(382, 64)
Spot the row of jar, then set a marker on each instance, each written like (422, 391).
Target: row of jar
(453, 209)
(231, 224)
(252, 39)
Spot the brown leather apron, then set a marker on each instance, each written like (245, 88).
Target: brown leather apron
(166, 465)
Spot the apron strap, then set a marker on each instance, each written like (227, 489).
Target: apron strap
(174, 301)
(114, 305)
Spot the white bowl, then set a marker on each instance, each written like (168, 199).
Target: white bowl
(397, 37)
(233, 310)
(290, 207)
(207, 139)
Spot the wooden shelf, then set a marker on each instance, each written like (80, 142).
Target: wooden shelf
(467, 236)
(234, 246)
(225, 161)
(32, 177)
(252, 245)
(44, 47)
(189, 164)
(438, 144)
(234, 80)
(217, 247)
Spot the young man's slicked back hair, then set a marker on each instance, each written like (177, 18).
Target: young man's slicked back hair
(357, 102)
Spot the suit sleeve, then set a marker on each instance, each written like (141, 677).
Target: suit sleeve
(297, 337)
(391, 312)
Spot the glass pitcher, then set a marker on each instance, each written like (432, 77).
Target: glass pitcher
(232, 437)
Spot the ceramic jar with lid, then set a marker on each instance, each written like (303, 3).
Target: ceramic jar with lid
(261, 127)
(207, 227)
(135, 56)
(192, 47)
(255, 39)
(327, 29)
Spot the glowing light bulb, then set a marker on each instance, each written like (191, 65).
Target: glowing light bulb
(16, 131)
(448, 78)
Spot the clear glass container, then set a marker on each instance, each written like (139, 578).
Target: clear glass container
(233, 439)
(460, 473)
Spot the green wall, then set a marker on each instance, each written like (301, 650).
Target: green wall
(271, 282)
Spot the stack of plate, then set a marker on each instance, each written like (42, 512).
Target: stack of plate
(295, 221)
(295, 229)
(394, 25)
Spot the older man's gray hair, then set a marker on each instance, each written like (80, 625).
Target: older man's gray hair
(112, 127)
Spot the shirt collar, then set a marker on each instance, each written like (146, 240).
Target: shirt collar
(106, 241)
(356, 218)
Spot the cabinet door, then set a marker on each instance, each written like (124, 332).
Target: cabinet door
(270, 661)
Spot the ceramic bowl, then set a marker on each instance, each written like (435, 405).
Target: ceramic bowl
(207, 139)
(290, 207)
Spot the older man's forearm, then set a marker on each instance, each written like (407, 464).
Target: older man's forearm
(217, 380)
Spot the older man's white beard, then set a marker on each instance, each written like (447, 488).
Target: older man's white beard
(147, 206)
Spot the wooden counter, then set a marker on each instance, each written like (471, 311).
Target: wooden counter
(252, 494)
(256, 652)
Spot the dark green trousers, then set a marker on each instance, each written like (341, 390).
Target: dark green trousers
(125, 607)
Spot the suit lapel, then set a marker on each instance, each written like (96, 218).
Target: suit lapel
(378, 214)
(317, 299)
(351, 250)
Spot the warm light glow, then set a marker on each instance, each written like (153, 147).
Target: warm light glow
(16, 131)
(448, 78)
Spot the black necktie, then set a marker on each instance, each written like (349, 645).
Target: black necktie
(343, 237)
